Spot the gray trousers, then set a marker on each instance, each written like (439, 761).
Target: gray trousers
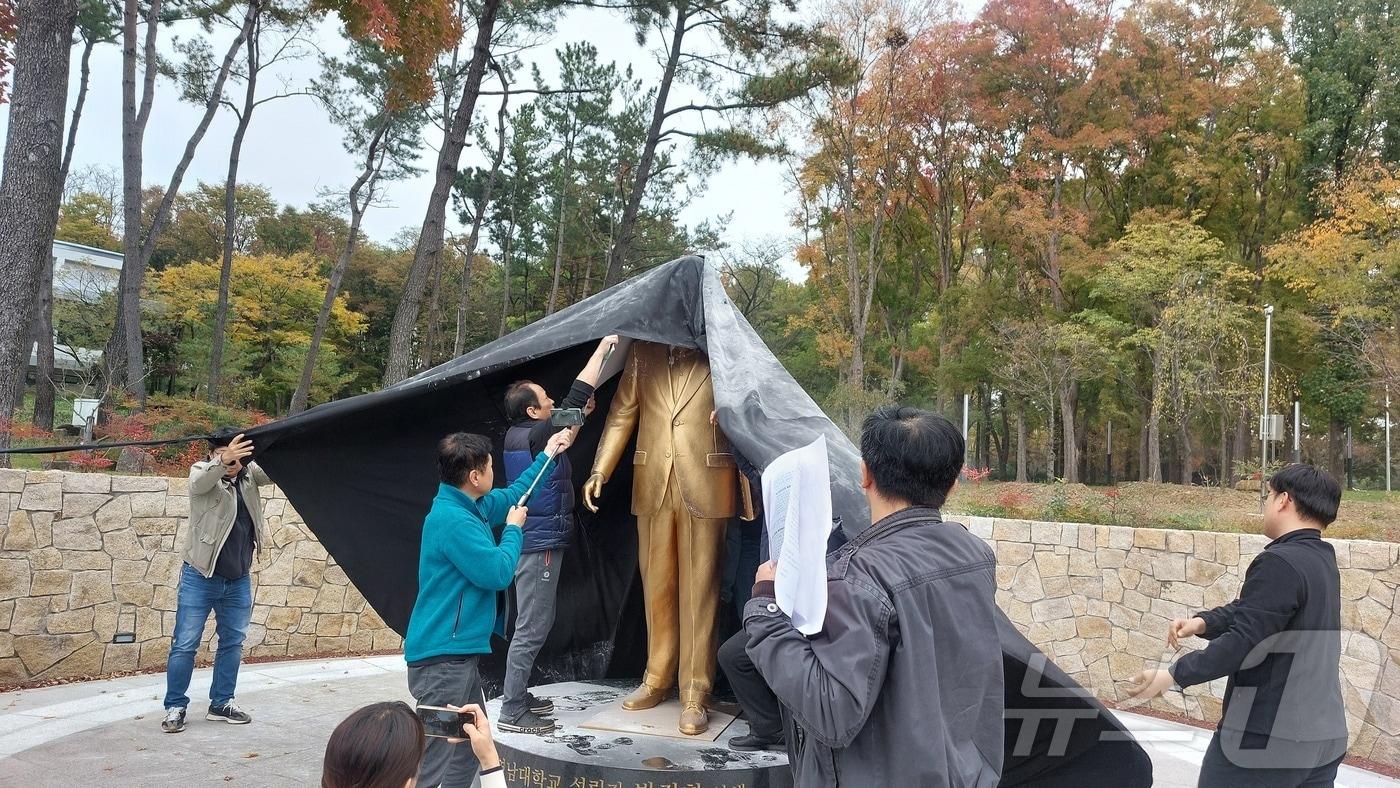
(536, 581)
(442, 684)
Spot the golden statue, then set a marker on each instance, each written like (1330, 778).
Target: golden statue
(685, 488)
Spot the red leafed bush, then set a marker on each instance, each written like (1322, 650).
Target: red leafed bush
(1011, 500)
(21, 431)
(172, 417)
(90, 461)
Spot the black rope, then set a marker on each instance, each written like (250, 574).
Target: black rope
(100, 446)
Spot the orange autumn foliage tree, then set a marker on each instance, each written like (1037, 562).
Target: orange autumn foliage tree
(415, 31)
(1345, 266)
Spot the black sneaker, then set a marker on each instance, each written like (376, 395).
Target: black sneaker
(529, 723)
(541, 706)
(230, 713)
(174, 721)
(752, 743)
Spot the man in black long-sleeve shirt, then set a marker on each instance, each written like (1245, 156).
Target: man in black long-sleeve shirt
(1283, 722)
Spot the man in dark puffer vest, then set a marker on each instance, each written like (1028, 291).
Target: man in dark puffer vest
(548, 530)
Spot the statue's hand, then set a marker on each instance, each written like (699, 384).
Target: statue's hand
(592, 489)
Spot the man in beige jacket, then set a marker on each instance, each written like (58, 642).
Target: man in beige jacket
(226, 527)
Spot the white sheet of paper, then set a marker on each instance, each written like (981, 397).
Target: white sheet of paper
(797, 511)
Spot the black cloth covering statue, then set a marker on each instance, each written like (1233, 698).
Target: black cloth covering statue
(362, 472)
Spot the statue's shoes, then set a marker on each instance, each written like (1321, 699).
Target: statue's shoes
(694, 720)
(644, 697)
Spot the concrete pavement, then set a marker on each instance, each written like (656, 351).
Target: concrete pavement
(108, 732)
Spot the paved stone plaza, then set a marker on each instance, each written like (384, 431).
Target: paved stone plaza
(108, 732)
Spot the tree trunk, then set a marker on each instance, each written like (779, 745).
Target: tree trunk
(30, 185)
(1002, 440)
(1241, 443)
(458, 343)
(1224, 473)
(430, 238)
(124, 358)
(1336, 449)
(44, 384)
(984, 438)
(216, 355)
(622, 242)
(122, 370)
(1022, 454)
(374, 163)
(505, 268)
(1154, 432)
(1069, 396)
(1183, 445)
(45, 388)
(559, 231)
(1143, 434)
(84, 79)
(942, 397)
(1052, 254)
(308, 369)
(434, 315)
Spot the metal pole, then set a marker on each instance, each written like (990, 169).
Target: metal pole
(967, 399)
(1297, 431)
(1387, 438)
(1351, 477)
(1264, 414)
(1110, 452)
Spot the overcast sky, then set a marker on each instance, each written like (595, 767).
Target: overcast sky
(294, 151)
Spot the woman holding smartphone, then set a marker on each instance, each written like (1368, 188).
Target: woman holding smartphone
(381, 745)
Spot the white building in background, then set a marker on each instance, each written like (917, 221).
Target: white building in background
(86, 274)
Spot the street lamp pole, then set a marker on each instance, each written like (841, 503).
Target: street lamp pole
(967, 403)
(1297, 431)
(1110, 452)
(1264, 415)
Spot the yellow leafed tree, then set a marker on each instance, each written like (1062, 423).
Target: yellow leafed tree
(274, 301)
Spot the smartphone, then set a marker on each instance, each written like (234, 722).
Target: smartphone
(445, 723)
(566, 417)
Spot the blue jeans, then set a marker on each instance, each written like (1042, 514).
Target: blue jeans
(232, 604)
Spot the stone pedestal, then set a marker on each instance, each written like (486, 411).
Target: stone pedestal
(597, 746)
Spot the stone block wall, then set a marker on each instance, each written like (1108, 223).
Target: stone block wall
(1097, 599)
(85, 556)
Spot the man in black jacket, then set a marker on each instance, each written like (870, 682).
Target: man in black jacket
(1283, 723)
(548, 531)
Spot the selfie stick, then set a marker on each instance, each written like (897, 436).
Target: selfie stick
(538, 476)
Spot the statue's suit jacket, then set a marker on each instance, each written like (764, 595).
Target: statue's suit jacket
(667, 398)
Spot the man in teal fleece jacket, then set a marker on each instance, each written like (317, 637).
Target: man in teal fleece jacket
(461, 566)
